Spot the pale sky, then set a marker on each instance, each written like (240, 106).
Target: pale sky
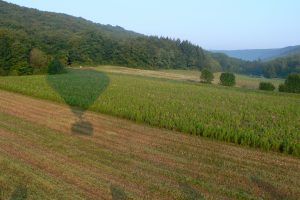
(212, 24)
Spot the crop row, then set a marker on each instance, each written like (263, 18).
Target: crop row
(270, 121)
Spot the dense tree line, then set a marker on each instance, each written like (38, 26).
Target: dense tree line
(20, 51)
(279, 67)
(31, 39)
(14, 53)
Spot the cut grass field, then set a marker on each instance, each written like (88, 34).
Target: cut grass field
(264, 120)
(243, 81)
(40, 158)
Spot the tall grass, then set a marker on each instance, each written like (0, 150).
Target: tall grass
(270, 121)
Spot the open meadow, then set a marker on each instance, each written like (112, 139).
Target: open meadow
(242, 81)
(266, 120)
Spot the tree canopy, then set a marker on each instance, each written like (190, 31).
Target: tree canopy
(56, 67)
(207, 76)
(35, 38)
(227, 79)
(266, 86)
(291, 84)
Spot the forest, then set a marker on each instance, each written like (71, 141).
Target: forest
(30, 39)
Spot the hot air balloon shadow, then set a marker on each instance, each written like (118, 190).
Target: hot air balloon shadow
(79, 89)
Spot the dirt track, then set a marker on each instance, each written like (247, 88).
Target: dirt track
(145, 162)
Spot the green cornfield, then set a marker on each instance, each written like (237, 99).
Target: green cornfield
(266, 120)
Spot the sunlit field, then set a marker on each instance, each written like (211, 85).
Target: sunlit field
(266, 120)
(243, 81)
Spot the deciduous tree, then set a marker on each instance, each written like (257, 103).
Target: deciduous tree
(227, 79)
(207, 76)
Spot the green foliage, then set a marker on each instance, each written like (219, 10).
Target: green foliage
(291, 84)
(228, 64)
(207, 76)
(264, 120)
(13, 53)
(282, 88)
(78, 41)
(38, 60)
(266, 86)
(227, 79)
(56, 67)
(25, 69)
(279, 67)
(5, 53)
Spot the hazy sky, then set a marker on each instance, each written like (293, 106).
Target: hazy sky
(213, 24)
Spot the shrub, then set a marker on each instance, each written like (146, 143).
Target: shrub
(266, 86)
(227, 79)
(206, 76)
(291, 84)
(56, 67)
(282, 88)
(25, 70)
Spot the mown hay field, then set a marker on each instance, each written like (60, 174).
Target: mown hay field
(42, 158)
(242, 81)
(266, 120)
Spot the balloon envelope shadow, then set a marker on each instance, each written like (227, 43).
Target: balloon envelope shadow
(117, 193)
(79, 89)
(189, 192)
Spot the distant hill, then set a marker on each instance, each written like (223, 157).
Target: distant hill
(29, 38)
(260, 54)
(38, 22)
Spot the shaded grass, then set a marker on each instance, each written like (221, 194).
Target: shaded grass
(254, 118)
(19, 180)
(251, 82)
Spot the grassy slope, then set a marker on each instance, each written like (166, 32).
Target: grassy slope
(245, 81)
(242, 81)
(259, 119)
(124, 159)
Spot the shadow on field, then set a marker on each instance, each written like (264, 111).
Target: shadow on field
(20, 193)
(79, 89)
(117, 193)
(268, 188)
(1, 193)
(189, 192)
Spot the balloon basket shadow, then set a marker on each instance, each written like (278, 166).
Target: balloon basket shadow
(82, 128)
